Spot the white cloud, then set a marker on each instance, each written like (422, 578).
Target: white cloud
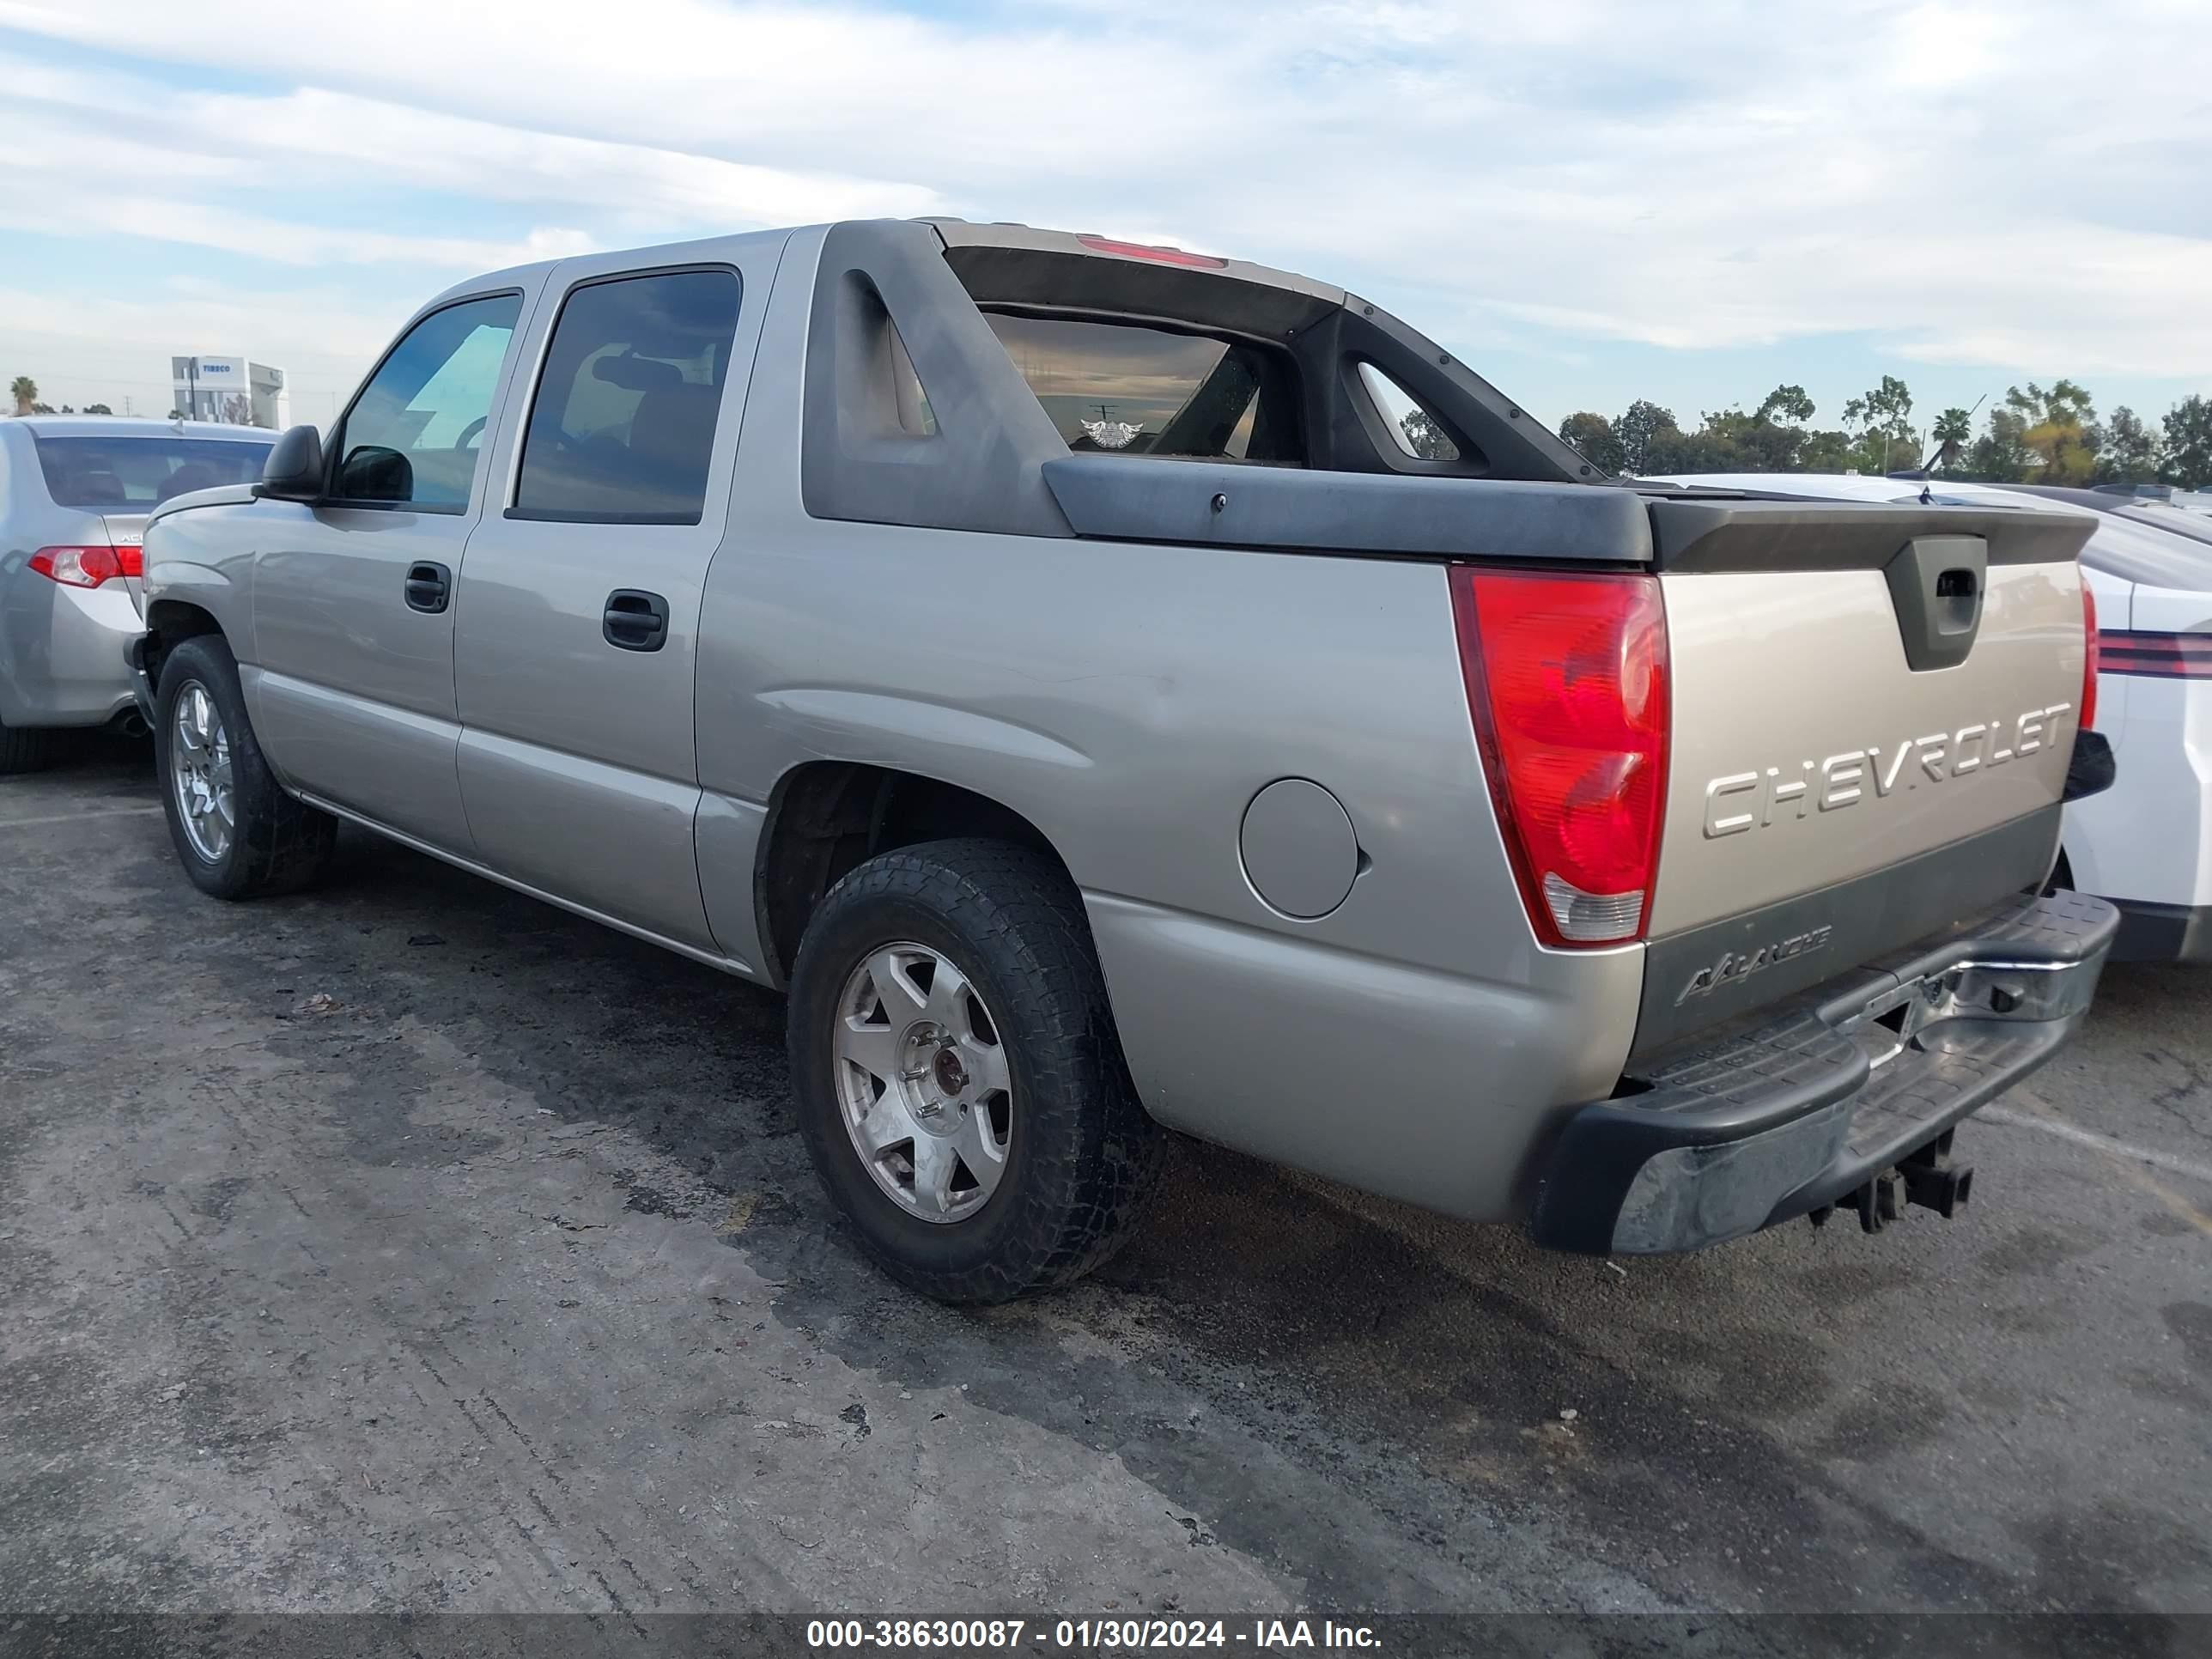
(636, 181)
(125, 132)
(2012, 185)
(105, 212)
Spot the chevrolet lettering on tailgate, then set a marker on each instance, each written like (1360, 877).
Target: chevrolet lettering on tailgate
(1844, 780)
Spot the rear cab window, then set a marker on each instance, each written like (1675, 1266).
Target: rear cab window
(1416, 432)
(622, 428)
(1141, 388)
(131, 471)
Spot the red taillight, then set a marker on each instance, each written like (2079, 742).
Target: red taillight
(2155, 656)
(1566, 676)
(132, 558)
(85, 567)
(1166, 256)
(2090, 666)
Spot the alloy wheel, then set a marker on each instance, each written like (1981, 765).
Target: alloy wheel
(923, 1082)
(200, 774)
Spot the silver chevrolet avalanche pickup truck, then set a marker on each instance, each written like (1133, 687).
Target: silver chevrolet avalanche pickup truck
(1116, 689)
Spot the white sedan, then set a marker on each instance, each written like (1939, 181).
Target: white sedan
(2145, 844)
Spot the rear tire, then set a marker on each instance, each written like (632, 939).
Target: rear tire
(1074, 1153)
(267, 842)
(25, 748)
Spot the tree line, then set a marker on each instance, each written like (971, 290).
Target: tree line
(24, 391)
(2034, 434)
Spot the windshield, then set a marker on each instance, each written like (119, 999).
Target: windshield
(130, 470)
(2163, 515)
(2156, 556)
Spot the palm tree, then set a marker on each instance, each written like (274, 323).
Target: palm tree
(24, 391)
(1953, 428)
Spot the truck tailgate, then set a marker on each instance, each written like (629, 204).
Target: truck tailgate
(1873, 708)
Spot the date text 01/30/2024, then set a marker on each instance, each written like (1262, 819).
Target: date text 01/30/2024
(1085, 1634)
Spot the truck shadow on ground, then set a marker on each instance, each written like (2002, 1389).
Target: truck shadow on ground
(1449, 1378)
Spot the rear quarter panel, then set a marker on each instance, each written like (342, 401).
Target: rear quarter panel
(2149, 838)
(58, 662)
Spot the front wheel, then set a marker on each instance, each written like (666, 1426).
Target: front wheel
(959, 1083)
(237, 833)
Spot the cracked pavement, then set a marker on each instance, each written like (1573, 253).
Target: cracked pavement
(413, 1245)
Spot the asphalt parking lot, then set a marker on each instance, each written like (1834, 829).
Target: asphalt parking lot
(413, 1245)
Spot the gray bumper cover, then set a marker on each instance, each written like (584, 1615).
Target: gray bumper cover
(1741, 1130)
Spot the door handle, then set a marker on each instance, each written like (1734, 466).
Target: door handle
(635, 620)
(429, 587)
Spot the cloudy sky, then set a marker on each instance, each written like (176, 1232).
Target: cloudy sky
(1592, 200)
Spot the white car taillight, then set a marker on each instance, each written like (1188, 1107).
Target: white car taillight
(88, 567)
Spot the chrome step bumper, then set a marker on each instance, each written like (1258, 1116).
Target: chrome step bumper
(1734, 1133)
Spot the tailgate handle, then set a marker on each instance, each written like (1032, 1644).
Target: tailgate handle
(1936, 584)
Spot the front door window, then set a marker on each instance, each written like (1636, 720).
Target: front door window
(412, 436)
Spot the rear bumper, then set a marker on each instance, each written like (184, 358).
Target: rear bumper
(1762, 1124)
(2163, 932)
(61, 652)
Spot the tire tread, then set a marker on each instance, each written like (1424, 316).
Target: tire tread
(283, 844)
(25, 748)
(1019, 909)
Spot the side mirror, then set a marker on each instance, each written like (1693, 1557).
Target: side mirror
(294, 471)
(375, 474)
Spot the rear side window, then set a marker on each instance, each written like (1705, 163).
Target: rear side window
(1136, 390)
(622, 431)
(411, 437)
(1415, 431)
(133, 471)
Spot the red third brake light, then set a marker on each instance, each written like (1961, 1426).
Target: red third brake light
(1566, 678)
(2090, 664)
(87, 566)
(1166, 256)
